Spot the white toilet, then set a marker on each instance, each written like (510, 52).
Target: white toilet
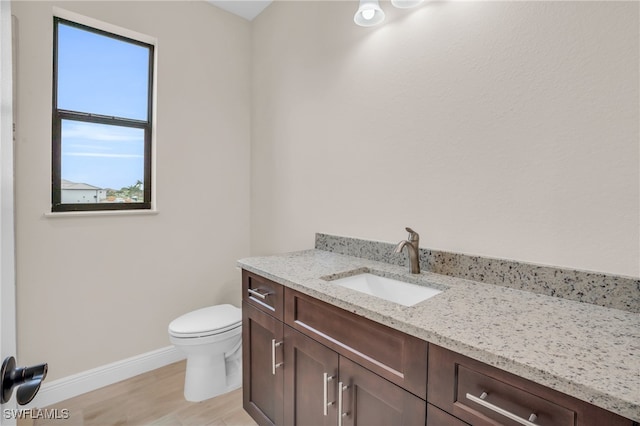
(212, 340)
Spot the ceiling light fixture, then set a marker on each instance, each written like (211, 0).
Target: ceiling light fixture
(369, 13)
(405, 4)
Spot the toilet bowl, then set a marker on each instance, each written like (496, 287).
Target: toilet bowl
(212, 340)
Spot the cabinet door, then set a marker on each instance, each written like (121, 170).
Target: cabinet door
(370, 400)
(262, 377)
(437, 417)
(310, 381)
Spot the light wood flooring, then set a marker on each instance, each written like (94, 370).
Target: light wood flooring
(155, 399)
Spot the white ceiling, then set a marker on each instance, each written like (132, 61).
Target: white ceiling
(247, 9)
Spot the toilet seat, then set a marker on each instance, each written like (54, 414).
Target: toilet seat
(206, 322)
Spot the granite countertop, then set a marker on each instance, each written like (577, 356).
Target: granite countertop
(586, 351)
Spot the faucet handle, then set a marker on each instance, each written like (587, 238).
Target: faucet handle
(413, 235)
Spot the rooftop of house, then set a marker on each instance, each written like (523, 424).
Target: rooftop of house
(67, 184)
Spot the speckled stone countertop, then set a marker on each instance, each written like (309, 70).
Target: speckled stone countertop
(586, 351)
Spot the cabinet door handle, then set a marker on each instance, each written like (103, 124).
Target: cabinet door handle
(326, 378)
(274, 345)
(481, 400)
(257, 294)
(341, 388)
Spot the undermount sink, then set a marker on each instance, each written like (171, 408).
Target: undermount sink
(387, 288)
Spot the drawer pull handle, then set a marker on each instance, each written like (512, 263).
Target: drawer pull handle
(341, 388)
(257, 294)
(481, 400)
(326, 378)
(274, 345)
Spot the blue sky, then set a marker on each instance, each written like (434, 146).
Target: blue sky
(101, 75)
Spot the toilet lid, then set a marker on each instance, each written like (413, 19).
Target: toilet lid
(212, 320)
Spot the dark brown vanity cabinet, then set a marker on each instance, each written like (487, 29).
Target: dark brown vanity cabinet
(321, 365)
(307, 362)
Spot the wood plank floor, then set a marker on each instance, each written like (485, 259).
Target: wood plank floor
(154, 398)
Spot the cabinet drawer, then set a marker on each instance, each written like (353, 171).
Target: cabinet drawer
(475, 389)
(264, 294)
(483, 395)
(398, 357)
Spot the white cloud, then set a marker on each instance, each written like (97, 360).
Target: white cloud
(97, 154)
(98, 132)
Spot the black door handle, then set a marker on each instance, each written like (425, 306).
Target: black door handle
(27, 379)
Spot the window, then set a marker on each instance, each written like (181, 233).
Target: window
(102, 101)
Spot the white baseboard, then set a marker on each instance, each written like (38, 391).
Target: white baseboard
(77, 384)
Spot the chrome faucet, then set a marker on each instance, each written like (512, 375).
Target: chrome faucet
(412, 246)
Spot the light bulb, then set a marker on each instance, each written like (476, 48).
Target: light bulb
(368, 14)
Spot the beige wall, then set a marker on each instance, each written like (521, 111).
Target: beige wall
(505, 129)
(93, 290)
(500, 129)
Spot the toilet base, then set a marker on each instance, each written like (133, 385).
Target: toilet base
(209, 376)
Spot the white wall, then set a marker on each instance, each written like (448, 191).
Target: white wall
(504, 129)
(157, 267)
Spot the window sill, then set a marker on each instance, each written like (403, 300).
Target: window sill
(152, 212)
